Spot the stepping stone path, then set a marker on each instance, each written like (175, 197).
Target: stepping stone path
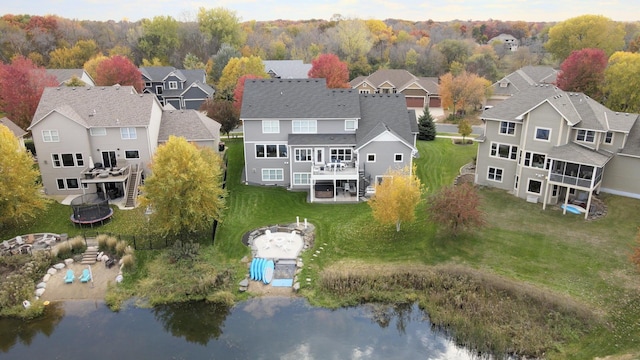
(89, 256)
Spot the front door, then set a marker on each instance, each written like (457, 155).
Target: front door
(319, 155)
(109, 159)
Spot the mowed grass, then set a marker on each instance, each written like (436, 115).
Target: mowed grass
(563, 254)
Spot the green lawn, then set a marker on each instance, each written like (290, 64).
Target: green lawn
(584, 260)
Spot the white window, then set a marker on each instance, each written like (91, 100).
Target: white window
(270, 126)
(79, 160)
(159, 89)
(371, 157)
(128, 133)
(98, 131)
(534, 186)
(173, 85)
(301, 178)
(271, 151)
(608, 138)
(543, 134)
(515, 183)
(340, 154)
(272, 175)
(507, 128)
(131, 154)
(554, 191)
(586, 135)
(494, 174)
(303, 155)
(350, 125)
(305, 126)
(535, 160)
(72, 183)
(147, 84)
(50, 136)
(55, 160)
(61, 184)
(397, 157)
(504, 151)
(364, 91)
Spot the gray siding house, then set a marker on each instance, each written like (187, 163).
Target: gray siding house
(76, 130)
(181, 89)
(555, 147)
(303, 136)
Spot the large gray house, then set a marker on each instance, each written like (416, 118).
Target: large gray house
(112, 128)
(179, 88)
(303, 136)
(555, 147)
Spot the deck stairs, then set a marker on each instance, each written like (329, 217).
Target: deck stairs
(132, 189)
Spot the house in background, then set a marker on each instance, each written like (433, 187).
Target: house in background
(519, 80)
(333, 143)
(65, 75)
(418, 91)
(546, 145)
(181, 89)
(509, 42)
(76, 130)
(286, 69)
(15, 129)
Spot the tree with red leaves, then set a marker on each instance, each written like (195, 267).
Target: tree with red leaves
(223, 112)
(22, 83)
(330, 67)
(239, 90)
(456, 208)
(118, 70)
(583, 71)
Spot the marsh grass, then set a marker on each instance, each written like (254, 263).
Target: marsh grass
(485, 312)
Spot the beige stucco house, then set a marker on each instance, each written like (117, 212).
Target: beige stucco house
(115, 128)
(549, 146)
(418, 91)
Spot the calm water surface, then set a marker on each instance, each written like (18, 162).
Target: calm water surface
(268, 328)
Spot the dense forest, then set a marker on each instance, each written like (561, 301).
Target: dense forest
(425, 48)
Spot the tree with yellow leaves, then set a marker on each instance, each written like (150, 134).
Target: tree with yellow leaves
(235, 68)
(185, 188)
(397, 197)
(19, 190)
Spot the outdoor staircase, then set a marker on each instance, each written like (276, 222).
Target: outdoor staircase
(132, 190)
(89, 256)
(363, 184)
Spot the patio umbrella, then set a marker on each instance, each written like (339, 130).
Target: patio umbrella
(91, 165)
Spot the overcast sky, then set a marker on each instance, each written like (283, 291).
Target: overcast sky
(415, 10)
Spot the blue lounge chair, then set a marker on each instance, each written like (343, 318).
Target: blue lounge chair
(86, 276)
(68, 279)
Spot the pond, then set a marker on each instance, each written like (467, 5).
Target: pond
(263, 328)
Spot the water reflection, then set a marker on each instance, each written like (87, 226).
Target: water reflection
(13, 331)
(267, 328)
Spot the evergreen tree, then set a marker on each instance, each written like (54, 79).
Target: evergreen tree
(426, 126)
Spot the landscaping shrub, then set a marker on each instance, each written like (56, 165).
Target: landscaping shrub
(102, 241)
(128, 262)
(110, 244)
(120, 248)
(187, 250)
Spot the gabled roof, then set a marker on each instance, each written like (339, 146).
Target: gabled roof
(297, 99)
(64, 75)
(632, 147)
(160, 73)
(524, 78)
(385, 112)
(15, 129)
(287, 69)
(190, 124)
(97, 106)
(322, 139)
(577, 109)
(399, 78)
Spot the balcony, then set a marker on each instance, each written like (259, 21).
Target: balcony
(575, 174)
(335, 170)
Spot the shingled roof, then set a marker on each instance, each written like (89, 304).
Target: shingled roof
(97, 106)
(382, 112)
(297, 99)
(523, 78)
(189, 124)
